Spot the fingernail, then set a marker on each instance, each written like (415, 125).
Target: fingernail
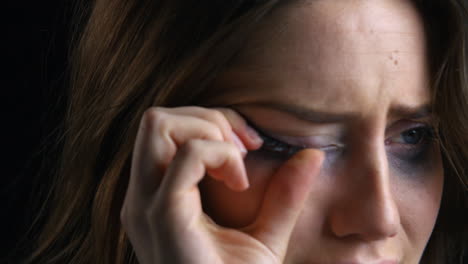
(239, 143)
(253, 134)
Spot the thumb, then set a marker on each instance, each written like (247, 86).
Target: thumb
(284, 200)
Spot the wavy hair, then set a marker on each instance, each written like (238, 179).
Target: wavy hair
(131, 55)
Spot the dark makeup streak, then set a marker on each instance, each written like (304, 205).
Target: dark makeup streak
(272, 147)
(416, 164)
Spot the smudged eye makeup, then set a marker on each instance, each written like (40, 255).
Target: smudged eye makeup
(411, 146)
(413, 137)
(276, 148)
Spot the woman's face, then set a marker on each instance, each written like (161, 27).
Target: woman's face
(351, 78)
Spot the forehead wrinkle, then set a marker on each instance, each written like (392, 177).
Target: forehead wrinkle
(241, 83)
(284, 27)
(242, 86)
(286, 55)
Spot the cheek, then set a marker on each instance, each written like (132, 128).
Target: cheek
(238, 209)
(418, 195)
(420, 165)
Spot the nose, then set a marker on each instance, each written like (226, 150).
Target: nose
(365, 208)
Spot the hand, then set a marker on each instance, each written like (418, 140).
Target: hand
(162, 212)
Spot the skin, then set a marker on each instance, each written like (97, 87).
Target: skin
(358, 193)
(365, 59)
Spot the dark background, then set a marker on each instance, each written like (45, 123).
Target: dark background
(34, 50)
(34, 59)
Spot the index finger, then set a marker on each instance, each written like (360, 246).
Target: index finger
(246, 133)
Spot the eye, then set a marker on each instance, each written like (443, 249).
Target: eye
(283, 149)
(278, 148)
(413, 148)
(414, 136)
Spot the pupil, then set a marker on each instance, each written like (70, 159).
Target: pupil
(413, 136)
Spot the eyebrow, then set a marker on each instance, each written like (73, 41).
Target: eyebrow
(322, 117)
(411, 112)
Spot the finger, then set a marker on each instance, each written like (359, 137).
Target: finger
(212, 115)
(284, 200)
(157, 140)
(246, 133)
(220, 160)
(229, 122)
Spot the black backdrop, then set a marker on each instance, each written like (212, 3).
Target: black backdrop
(34, 61)
(35, 41)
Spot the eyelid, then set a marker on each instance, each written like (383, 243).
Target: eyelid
(403, 126)
(314, 141)
(300, 143)
(319, 141)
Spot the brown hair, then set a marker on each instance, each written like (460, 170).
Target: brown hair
(132, 55)
(447, 35)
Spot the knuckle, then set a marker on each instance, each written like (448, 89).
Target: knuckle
(192, 146)
(153, 112)
(227, 111)
(232, 150)
(217, 117)
(214, 132)
(233, 116)
(153, 117)
(235, 154)
(193, 108)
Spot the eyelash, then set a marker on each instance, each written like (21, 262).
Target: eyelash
(414, 152)
(278, 149)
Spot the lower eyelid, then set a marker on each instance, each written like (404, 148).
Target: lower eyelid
(429, 131)
(406, 151)
(333, 147)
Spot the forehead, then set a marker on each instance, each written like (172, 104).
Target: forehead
(334, 54)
